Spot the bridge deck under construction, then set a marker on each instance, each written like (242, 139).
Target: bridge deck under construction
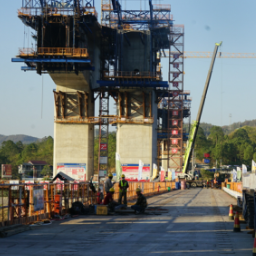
(196, 224)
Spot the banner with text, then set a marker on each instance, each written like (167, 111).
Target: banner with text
(75, 171)
(131, 172)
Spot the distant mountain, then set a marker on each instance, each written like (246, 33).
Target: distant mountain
(25, 139)
(227, 129)
(230, 128)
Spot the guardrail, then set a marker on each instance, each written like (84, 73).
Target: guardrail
(148, 188)
(112, 120)
(19, 203)
(56, 11)
(24, 203)
(131, 75)
(55, 51)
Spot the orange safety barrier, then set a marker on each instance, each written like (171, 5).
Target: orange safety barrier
(22, 203)
(235, 186)
(55, 51)
(148, 188)
(67, 51)
(25, 203)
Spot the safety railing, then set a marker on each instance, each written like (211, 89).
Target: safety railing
(73, 52)
(131, 75)
(24, 203)
(162, 7)
(89, 120)
(56, 11)
(97, 120)
(147, 188)
(55, 51)
(123, 120)
(27, 52)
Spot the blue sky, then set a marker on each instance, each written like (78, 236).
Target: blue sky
(232, 89)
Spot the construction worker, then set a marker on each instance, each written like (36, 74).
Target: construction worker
(108, 200)
(123, 186)
(141, 203)
(108, 182)
(100, 196)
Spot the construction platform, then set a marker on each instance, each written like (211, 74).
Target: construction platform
(197, 223)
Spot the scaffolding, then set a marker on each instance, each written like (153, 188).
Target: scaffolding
(175, 99)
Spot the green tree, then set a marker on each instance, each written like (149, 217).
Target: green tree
(248, 153)
(47, 171)
(216, 135)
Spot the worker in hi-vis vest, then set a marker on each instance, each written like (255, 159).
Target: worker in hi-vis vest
(123, 186)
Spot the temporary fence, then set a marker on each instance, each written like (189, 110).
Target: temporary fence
(235, 186)
(25, 203)
(147, 188)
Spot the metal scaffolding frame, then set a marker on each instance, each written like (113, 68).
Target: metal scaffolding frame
(175, 99)
(103, 132)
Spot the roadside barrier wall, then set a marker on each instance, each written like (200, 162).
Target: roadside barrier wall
(233, 188)
(236, 186)
(25, 203)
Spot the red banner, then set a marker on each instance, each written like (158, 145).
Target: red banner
(175, 112)
(103, 146)
(174, 141)
(6, 170)
(175, 84)
(175, 132)
(174, 122)
(174, 150)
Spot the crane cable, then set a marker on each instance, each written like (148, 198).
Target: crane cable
(221, 87)
(42, 98)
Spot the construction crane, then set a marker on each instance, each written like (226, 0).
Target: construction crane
(206, 55)
(191, 142)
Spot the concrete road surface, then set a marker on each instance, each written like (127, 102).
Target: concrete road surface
(196, 224)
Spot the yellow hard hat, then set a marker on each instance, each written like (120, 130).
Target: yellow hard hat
(138, 190)
(112, 190)
(110, 175)
(123, 176)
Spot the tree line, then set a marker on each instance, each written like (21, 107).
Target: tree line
(236, 148)
(19, 153)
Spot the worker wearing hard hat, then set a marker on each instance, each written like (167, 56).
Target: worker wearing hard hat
(108, 182)
(141, 203)
(123, 186)
(108, 200)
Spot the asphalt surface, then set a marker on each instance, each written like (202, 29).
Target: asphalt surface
(196, 224)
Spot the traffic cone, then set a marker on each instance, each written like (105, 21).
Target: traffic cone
(237, 223)
(231, 214)
(254, 247)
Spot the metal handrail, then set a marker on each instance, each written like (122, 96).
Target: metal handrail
(56, 11)
(132, 74)
(56, 51)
